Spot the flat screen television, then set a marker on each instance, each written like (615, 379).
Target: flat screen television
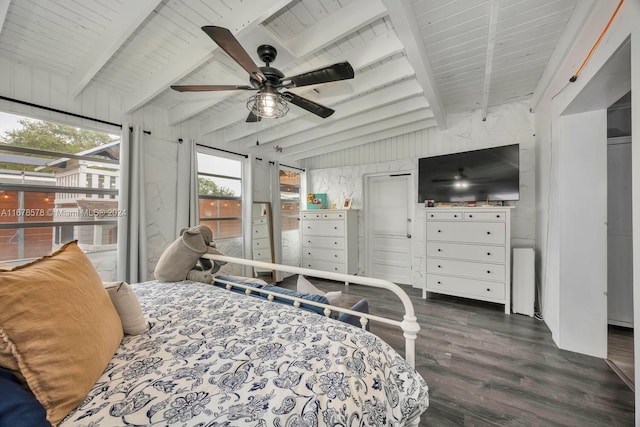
(487, 174)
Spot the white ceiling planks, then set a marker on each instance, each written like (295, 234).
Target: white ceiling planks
(415, 61)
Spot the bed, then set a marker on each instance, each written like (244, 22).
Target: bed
(213, 357)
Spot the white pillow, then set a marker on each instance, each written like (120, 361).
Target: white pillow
(306, 287)
(128, 307)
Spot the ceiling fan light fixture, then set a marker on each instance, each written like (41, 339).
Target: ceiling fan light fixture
(268, 104)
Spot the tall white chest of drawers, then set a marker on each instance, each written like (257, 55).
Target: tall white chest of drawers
(468, 253)
(330, 240)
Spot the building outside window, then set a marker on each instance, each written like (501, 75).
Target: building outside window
(220, 195)
(53, 190)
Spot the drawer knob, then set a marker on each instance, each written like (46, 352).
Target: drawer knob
(439, 266)
(439, 282)
(432, 217)
(335, 228)
(258, 244)
(488, 271)
(335, 243)
(488, 289)
(470, 216)
(439, 231)
(308, 241)
(335, 268)
(488, 253)
(455, 216)
(308, 253)
(498, 216)
(439, 250)
(488, 232)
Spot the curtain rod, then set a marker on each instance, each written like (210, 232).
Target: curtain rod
(292, 167)
(225, 151)
(55, 110)
(148, 132)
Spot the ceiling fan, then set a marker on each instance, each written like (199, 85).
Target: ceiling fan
(269, 101)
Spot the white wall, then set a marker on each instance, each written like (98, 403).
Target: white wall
(505, 124)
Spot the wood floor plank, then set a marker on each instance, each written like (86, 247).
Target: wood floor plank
(485, 368)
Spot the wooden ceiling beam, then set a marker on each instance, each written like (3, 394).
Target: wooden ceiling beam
(109, 42)
(488, 61)
(408, 31)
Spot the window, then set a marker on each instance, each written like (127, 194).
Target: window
(289, 198)
(220, 195)
(52, 191)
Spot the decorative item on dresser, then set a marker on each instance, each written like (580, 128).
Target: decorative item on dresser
(468, 253)
(330, 240)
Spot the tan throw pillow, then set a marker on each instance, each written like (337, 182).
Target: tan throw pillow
(304, 286)
(60, 326)
(128, 307)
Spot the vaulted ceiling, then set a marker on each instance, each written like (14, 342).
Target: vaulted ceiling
(415, 61)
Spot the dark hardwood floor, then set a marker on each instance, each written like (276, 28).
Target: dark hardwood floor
(486, 368)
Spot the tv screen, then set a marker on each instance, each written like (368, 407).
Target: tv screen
(488, 174)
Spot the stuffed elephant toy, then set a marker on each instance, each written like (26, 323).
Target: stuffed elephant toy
(180, 260)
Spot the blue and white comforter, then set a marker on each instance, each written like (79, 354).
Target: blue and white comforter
(216, 358)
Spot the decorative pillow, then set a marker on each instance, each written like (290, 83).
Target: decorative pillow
(59, 326)
(306, 287)
(361, 306)
(309, 297)
(18, 407)
(128, 307)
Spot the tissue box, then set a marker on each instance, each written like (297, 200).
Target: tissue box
(317, 201)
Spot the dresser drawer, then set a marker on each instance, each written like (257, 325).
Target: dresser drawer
(323, 242)
(453, 216)
(333, 215)
(262, 255)
(465, 287)
(260, 220)
(323, 228)
(261, 231)
(324, 265)
(470, 232)
(333, 255)
(263, 243)
(311, 215)
(485, 216)
(475, 270)
(467, 252)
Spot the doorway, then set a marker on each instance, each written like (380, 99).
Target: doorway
(388, 226)
(620, 352)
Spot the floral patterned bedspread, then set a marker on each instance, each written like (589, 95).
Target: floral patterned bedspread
(217, 358)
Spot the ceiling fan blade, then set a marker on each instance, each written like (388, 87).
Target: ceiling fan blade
(332, 73)
(317, 109)
(227, 41)
(206, 88)
(252, 118)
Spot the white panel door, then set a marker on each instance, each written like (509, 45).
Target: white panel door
(619, 235)
(389, 228)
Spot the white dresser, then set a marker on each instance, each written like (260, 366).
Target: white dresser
(468, 253)
(261, 242)
(330, 240)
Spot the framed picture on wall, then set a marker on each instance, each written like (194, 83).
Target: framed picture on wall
(346, 204)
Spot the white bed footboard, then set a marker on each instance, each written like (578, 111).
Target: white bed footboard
(409, 324)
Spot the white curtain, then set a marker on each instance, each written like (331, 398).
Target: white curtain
(187, 192)
(132, 235)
